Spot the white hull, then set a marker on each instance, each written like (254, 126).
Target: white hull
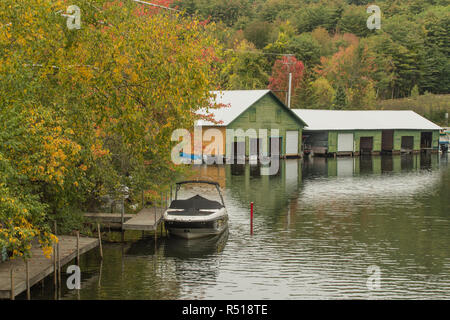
(195, 233)
(193, 227)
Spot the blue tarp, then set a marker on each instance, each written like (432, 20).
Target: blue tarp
(190, 156)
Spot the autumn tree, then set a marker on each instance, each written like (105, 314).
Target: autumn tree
(91, 109)
(258, 33)
(351, 68)
(279, 80)
(324, 93)
(244, 68)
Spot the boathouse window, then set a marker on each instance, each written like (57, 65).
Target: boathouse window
(278, 116)
(252, 115)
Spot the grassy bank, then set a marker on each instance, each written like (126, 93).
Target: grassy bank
(431, 106)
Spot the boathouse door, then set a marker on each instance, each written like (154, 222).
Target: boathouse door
(407, 143)
(387, 140)
(291, 143)
(426, 140)
(275, 146)
(366, 145)
(345, 142)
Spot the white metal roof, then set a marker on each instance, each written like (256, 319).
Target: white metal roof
(363, 120)
(236, 101)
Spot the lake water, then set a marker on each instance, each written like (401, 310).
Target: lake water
(319, 225)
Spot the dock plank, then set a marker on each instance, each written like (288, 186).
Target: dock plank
(146, 220)
(108, 217)
(39, 266)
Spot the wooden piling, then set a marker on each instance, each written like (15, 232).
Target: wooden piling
(59, 266)
(78, 248)
(55, 272)
(13, 295)
(100, 240)
(123, 211)
(100, 274)
(27, 270)
(167, 200)
(251, 218)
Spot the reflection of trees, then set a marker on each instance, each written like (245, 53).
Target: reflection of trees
(380, 204)
(395, 213)
(130, 271)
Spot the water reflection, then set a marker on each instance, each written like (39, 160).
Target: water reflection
(367, 175)
(319, 223)
(195, 248)
(337, 216)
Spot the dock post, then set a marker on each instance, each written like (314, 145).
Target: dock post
(167, 199)
(251, 218)
(27, 269)
(13, 296)
(100, 274)
(156, 230)
(100, 240)
(59, 266)
(78, 248)
(123, 211)
(55, 274)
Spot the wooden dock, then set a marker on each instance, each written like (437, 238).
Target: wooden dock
(147, 219)
(113, 220)
(39, 265)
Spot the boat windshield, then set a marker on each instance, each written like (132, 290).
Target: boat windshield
(188, 193)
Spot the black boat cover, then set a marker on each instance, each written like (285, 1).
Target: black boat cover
(196, 202)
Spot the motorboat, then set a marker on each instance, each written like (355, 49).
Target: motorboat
(196, 216)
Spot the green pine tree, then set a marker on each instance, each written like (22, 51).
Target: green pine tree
(340, 99)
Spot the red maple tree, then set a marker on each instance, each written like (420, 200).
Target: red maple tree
(279, 81)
